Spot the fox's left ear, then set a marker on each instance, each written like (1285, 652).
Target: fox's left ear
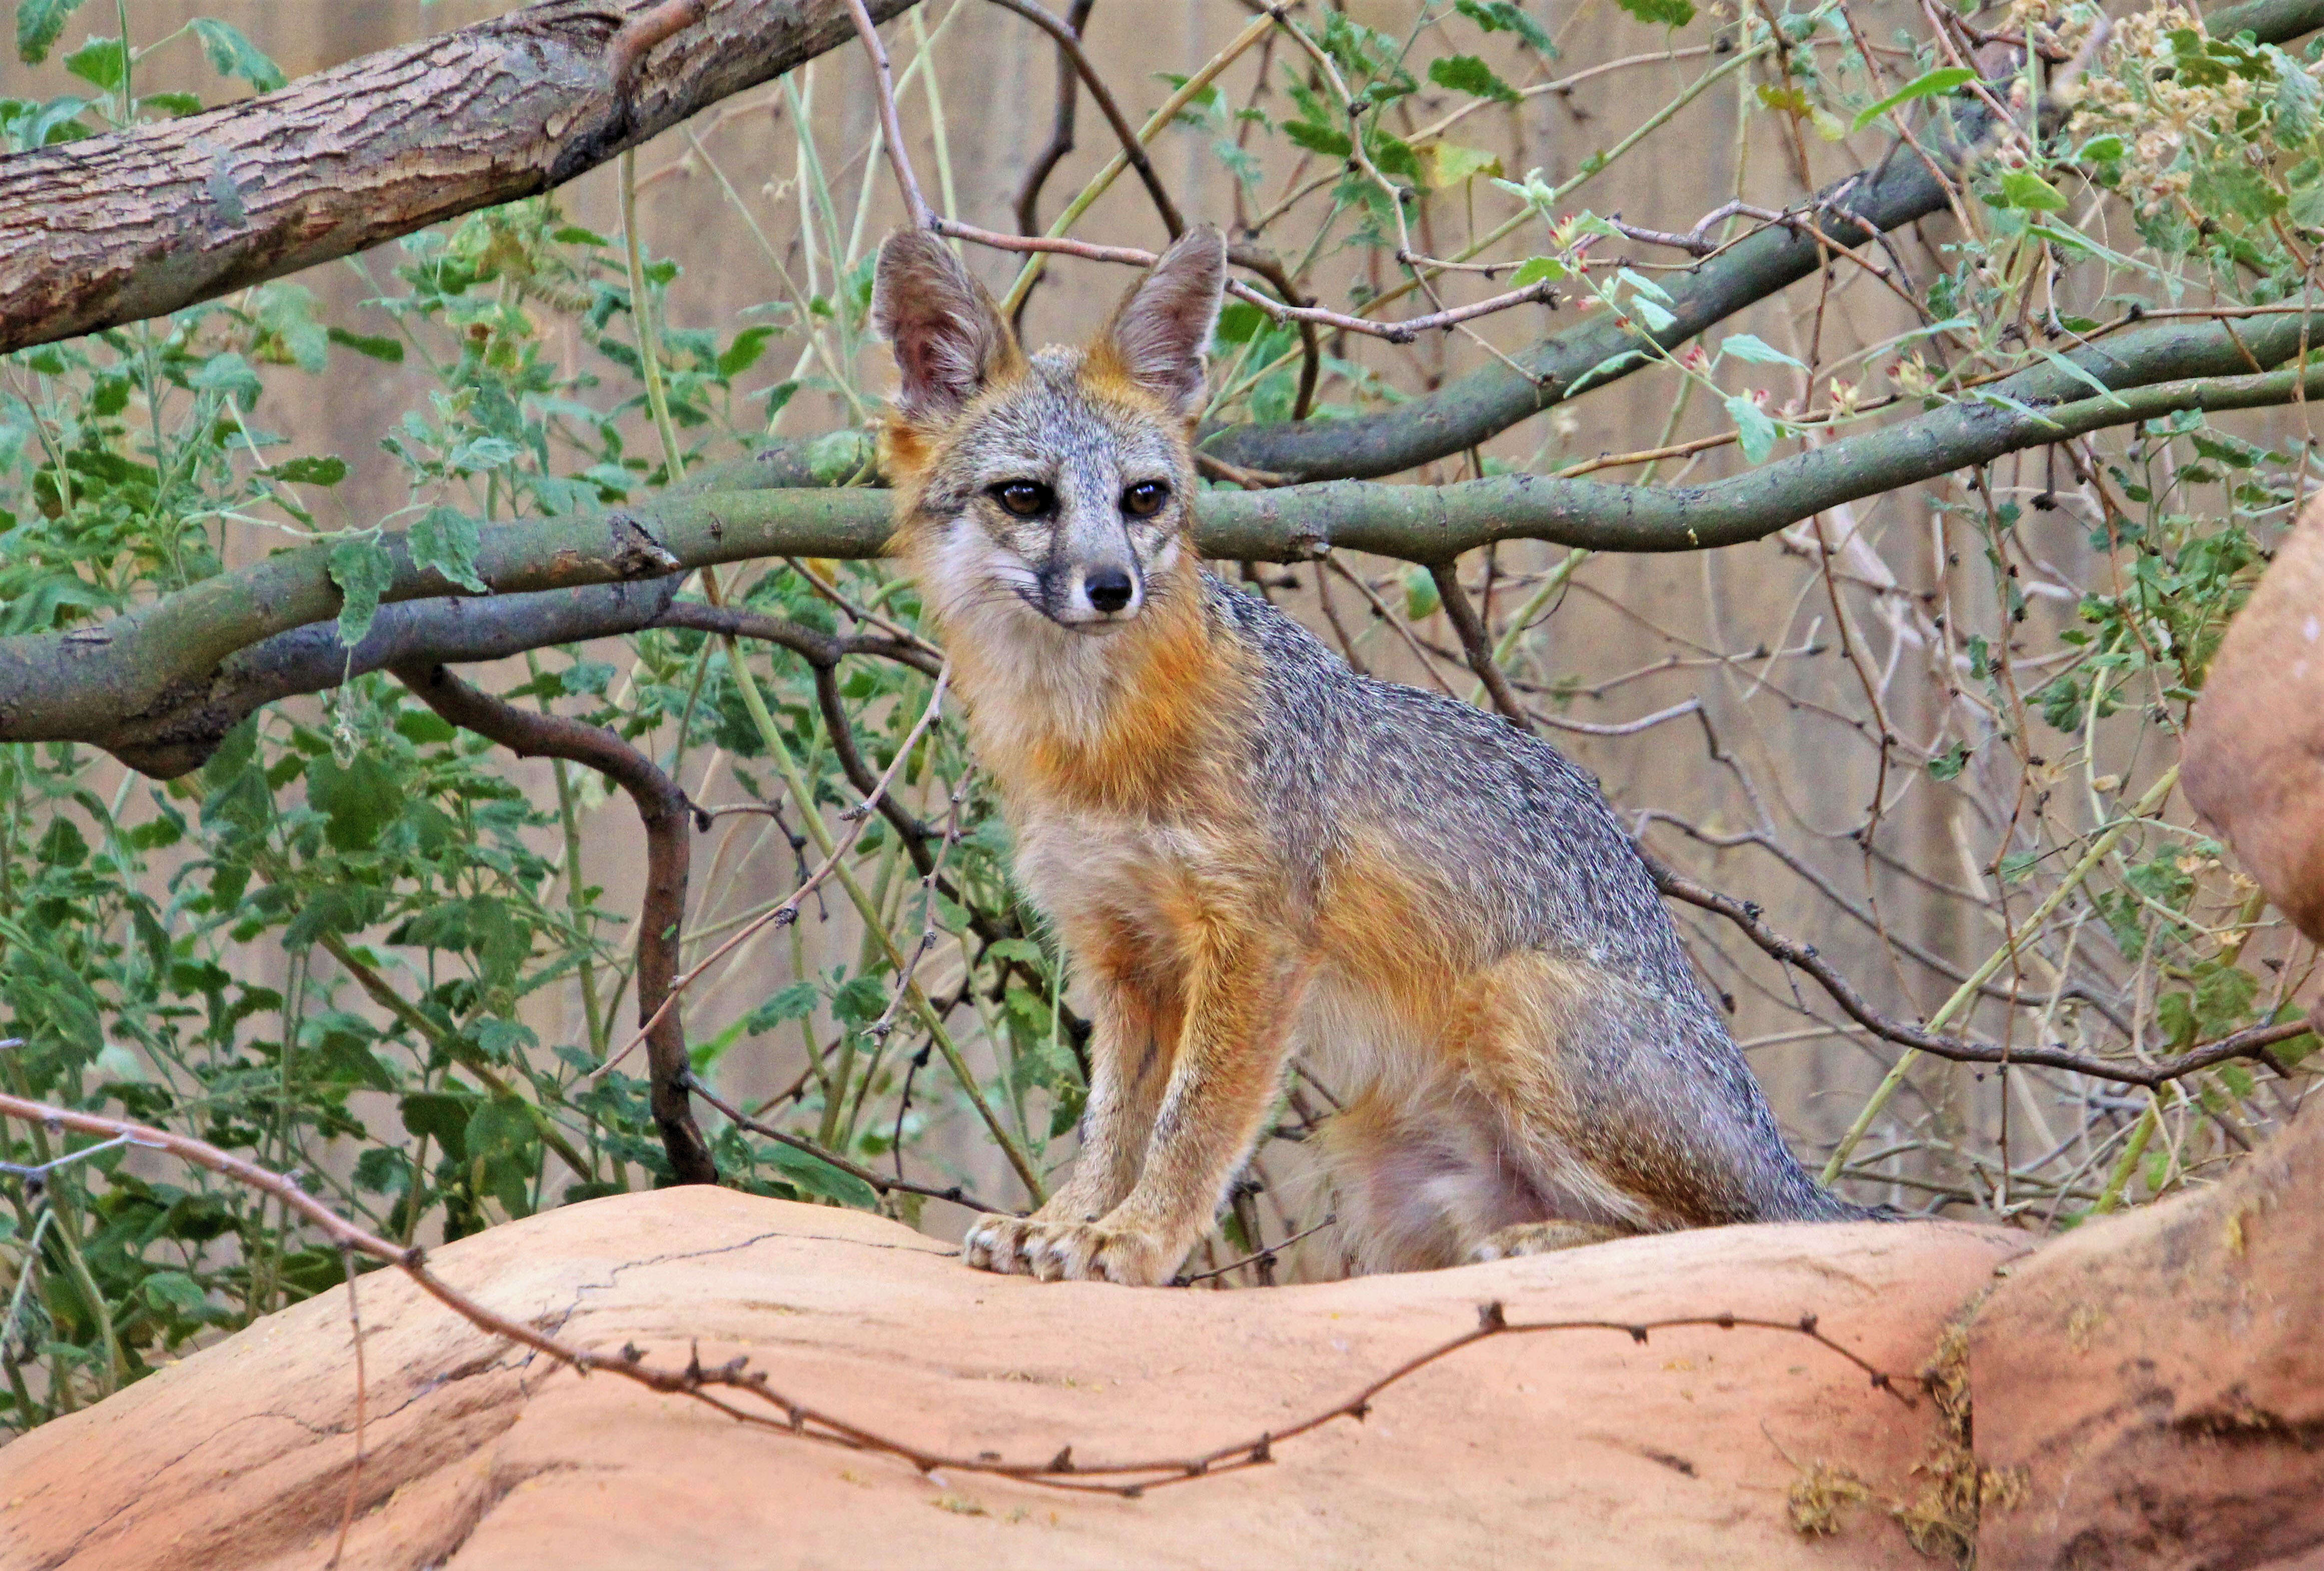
(1162, 327)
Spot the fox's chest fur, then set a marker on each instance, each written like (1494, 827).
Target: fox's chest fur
(1120, 763)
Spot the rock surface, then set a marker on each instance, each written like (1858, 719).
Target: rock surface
(2160, 1380)
(1574, 1449)
(2255, 751)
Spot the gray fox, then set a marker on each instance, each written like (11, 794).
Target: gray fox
(1248, 851)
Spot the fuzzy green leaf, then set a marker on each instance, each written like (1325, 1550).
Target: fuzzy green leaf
(232, 55)
(1465, 73)
(1660, 13)
(1753, 426)
(1756, 350)
(445, 539)
(362, 570)
(39, 25)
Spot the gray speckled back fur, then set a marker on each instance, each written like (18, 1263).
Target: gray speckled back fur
(1524, 840)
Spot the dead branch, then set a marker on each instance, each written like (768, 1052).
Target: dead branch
(1403, 331)
(1069, 45)
(111, 229)
(2252, 1042)
(899, 158)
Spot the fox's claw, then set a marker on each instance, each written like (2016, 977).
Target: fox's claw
(1067, 1252)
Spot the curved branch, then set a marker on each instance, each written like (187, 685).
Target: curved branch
(1069, 44)
(112, 229)
(1432, 524)
(669, 820)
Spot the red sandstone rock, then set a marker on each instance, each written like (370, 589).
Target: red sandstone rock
(1575, 1449)
(2160, 1380)
(2254, 752)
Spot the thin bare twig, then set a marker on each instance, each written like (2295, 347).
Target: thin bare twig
(900, 159)
(873, 1176)
(1069, 45)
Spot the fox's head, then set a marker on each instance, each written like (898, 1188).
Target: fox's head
(1053, 485)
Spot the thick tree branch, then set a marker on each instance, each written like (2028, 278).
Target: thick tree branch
(112, 229)
(126, 679)
(668, 821)
(449, 630)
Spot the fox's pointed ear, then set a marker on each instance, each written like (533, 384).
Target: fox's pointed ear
(1162, 327)
(948, 337)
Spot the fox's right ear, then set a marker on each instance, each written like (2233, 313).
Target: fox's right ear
(948, 337)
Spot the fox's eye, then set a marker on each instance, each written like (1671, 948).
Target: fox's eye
(1025, 498)
(1145, 499)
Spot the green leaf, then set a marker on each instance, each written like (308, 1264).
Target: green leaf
(176, 105)
(327, 469)
(1421, 598)
(499, 1128)
(1757, 351)
(1501, 16)
(39, 25)
(442, 1116)
(363, 571)
(1536, 270)
(1928, 85)
(1446, 164)
(796, 1002)
(482, 455)
(230, 374)
(1949, 764)
(1238, 322)
(1465, 73)
(1660, 13)
(1320, 139)
(2299, 102)
(357, 801)
(445, 539)
(816, 1176)
(232, 55)
(743, 352)
(2022, 188)
(63, 845)
(390, 349)
(1656, 315)
(175, 1292)
(99, 61)
(287, 312)
(835, 457)
(1752, 424)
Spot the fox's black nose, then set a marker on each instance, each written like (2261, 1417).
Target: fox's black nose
(1108, 589)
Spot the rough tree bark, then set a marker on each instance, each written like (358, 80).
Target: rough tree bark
(114, 229)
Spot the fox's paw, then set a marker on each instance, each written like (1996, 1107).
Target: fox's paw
(1543, 1238)
(997, 1243)
(1067, 1252)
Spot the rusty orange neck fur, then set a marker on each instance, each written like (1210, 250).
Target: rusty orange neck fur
(1119, 722)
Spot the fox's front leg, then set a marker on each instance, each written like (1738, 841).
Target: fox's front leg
(1133, 1038)
(1238, 1022)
